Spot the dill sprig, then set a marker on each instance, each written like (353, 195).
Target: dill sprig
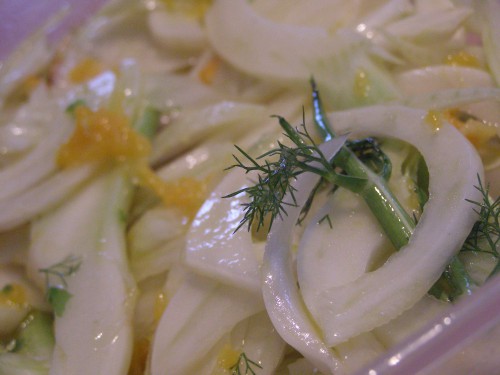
(61, 270)
(244, 366)
(483, 238)
(485, 234)
(55, 282)
(277, 169)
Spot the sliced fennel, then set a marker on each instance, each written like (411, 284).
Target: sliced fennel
(205, 161)
(431, 25)
(156, 241)
(31, 347)
(215, 248)
(490, 11)
(18, 297)
(94, 334)
(43, 114)
(374, 298)
(41, 198)
(435, 81)
(337, 252)
(447, 98)
(257, 338)
(382, 294)
(200, 308)
(225, 118)
(26, 59)
(282, 297)
(291, 54)
(359, 351)
(433, 78)
(177, 31)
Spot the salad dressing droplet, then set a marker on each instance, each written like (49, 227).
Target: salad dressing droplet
(434, 120)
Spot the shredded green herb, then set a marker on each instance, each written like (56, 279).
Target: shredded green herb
(55, 281)
(485, 235)
(244, 366)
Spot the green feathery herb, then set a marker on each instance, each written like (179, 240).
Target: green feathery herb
(244, 366)
(276, 173)
(327, 219)
(55, 281)
(369, 152)
(485, 235)
(74, 105)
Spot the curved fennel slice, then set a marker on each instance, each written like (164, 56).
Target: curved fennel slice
(212, 245)
(176, 31)
(338, 251)
(376, 297)
(93, 331)
(258, 339)
(43, 116)
(228, 24)
(39, 199)
(290, 54)
(282, 298)
(198, 316)
(224, 119)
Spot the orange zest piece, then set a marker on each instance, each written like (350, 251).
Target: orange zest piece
(107, 137)
(13, 295)
(462, 58)
(159, 306)
(187, 194)
(434, 119)
(139, 357)
(85, 70)
(191, 8)
(227, 358)
(477, 132)
(361, 84)
(207, 74)
(102, 136)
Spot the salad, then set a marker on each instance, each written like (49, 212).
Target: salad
(248, 187)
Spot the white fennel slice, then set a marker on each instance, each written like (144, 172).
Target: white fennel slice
(198, 316)
(378, 296)
(337, 251)
(94, 333)
(282, 297)
(214, 248)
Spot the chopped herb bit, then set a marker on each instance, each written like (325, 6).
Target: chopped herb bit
(9, 347)
(415, 168)
(327, 219)
(244, 366)
(122, 216)
(485, 235)
(71, 108)
(56, 284)
(7, 289)
(58, 297)
(483, 238)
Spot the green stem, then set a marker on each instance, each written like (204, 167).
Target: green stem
(395, 221)
(147, 122)
(453, 283)
(495, 271)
